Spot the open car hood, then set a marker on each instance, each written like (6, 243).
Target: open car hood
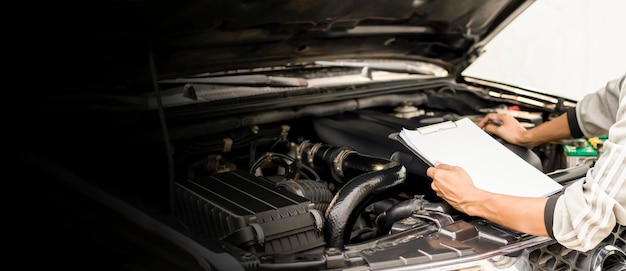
(190, 37)
(254, 135)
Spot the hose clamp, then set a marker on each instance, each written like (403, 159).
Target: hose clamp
(338, 160)
(311, 152)
(319, 220)
(260, 236)
(300, 149)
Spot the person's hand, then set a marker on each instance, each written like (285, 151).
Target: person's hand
(505, 126)
(454, 185)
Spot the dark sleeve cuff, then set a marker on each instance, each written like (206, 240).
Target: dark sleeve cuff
(574, 129)
(548, 213)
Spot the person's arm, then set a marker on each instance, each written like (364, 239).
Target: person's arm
(517, 213)
(586, 211)
(512, 131)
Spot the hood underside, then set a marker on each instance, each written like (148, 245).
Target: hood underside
(117, 38)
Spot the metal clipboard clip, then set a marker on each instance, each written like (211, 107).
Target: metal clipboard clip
(433, 128)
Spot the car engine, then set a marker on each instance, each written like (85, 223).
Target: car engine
(290, 177)
(255, 136)
(294, 192)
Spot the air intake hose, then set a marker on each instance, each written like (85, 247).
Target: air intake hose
(404, 209)
(370, 179)
(399, 211)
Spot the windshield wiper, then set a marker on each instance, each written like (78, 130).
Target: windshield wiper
(243, 80)
(391, 66)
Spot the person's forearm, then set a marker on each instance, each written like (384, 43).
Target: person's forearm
(555, 129)
(517, 213)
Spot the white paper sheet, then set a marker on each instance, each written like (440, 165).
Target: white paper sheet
(492, 166)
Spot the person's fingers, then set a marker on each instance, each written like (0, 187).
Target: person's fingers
(434, 187)
(430, 172)
(439, 168)
(506, 118)
(491, 129)
(483, 122)
(444, 166)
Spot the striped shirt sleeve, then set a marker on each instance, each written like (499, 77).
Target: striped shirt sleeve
(587, 210)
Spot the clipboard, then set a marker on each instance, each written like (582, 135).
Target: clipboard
(433, 128)
(396, 137)
(492, 166)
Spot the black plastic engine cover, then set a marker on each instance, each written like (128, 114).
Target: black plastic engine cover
(248, 211)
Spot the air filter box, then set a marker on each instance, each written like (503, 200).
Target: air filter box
(249, 212)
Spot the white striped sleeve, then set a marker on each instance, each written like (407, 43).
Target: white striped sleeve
(588, 210)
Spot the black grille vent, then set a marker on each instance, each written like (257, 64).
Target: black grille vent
(555, 257)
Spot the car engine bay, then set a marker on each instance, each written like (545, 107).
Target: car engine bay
(316, 184)
(255, 136)
(344, 187)
(288, 190)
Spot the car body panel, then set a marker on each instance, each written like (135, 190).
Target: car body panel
(253, 135)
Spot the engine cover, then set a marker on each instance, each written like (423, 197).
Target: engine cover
(249, 212)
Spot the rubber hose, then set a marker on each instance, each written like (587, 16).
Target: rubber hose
(354, 196)
(402, 210)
